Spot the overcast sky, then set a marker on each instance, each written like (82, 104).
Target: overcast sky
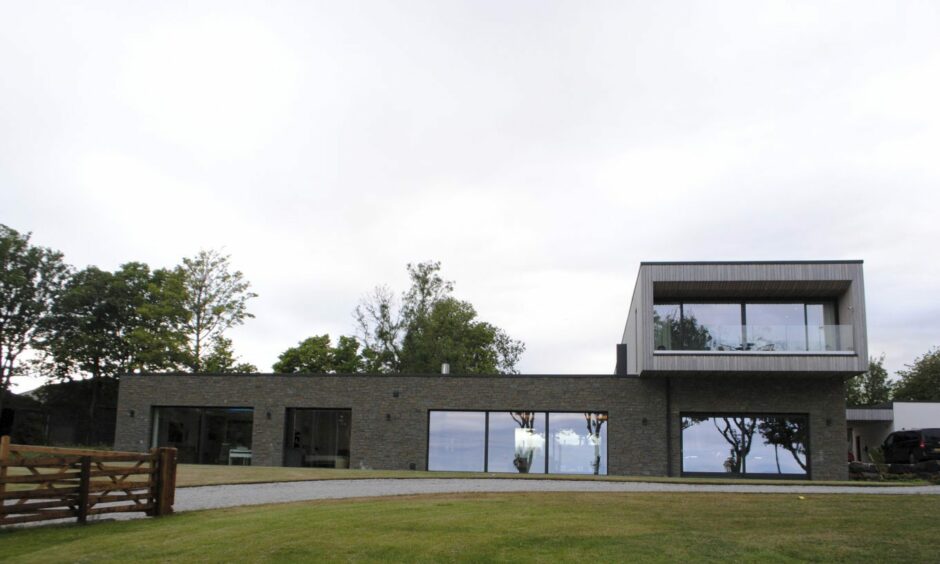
(540, 150)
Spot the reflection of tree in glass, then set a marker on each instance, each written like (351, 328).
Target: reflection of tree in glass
(595, 422)
(692, 420)
(786, 433)
(682, 333)
(739, 433)
(524, 452)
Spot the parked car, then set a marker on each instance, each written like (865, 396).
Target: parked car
(912, 446)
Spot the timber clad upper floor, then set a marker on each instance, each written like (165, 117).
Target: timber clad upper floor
(782, 317)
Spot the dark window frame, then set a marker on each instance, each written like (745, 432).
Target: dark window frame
(486, 435)
(748, 475)
(154, 431)
(287, 410)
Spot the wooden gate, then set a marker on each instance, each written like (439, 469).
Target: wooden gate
(41, 483)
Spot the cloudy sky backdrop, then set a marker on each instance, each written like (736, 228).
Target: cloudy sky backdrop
(540, 150)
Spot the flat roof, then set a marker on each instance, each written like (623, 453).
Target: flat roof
(747, 262)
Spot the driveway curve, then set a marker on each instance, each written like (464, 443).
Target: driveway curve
(213, 497)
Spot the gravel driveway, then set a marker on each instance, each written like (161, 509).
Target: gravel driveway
(211, 497)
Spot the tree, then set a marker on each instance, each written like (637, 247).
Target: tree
(430, 328)
(31, 278)
(216, 299)
(222, 360)
(871, 388)
(104, 324)
(921, 380)
(450, 333)
(317, 356)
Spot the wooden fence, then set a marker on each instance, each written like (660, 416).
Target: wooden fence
(41, 483)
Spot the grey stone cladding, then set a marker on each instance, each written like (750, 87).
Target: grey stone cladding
(390, 413)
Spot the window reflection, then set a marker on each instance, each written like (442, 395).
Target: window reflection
(759, 327)
(517, 442)
(776, 327)
(579, 443)
(456, 440)
(745, 444)
(317, 438)
(715, 327)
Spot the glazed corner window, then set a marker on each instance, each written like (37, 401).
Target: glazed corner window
(743, 444)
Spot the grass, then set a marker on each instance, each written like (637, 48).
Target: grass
(205, 474)
(544, 527)
(189, 475)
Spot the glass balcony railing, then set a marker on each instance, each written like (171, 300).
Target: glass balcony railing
(753, 338)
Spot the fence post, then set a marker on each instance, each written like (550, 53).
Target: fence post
(166, 481)
(4, 455)
(83, 488)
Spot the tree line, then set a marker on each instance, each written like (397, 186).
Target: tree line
(918, 381)
(66, 323)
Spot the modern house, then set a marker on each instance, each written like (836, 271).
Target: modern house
(724, 368)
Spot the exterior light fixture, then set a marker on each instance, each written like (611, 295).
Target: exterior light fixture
(131, 413)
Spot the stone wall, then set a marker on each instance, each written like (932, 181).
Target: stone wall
(390, 413)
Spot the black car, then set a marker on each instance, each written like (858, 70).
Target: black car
(912, 446)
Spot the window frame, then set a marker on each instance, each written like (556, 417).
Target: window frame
(486, 436)
(747, 475)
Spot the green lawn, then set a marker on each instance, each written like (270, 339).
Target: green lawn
(513, 527)
(205, 474)
(208, 474)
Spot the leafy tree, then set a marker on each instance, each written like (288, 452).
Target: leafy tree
(316, 355)
(104, 324)
(921, 380)
(216, 299)
(381, 328)
(222, 360)
(430, 328)
(872, 387)
(346, 357)
(450, 333)
(31, 278)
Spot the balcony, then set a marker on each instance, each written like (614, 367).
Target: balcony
(692, 337)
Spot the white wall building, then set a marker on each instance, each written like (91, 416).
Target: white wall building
(868, 426)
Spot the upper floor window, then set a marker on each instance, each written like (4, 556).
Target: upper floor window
(750, 326)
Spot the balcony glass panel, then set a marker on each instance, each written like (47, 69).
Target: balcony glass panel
(711, 327)
(754, 327)
(666, 321)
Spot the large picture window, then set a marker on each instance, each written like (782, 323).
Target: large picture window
(205, 435)
(524, 442)
(745, 444)
(317, 438)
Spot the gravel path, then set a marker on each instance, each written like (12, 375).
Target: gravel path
(211, 497)
(214, 497)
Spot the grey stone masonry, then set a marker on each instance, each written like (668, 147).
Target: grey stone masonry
(390, 412)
